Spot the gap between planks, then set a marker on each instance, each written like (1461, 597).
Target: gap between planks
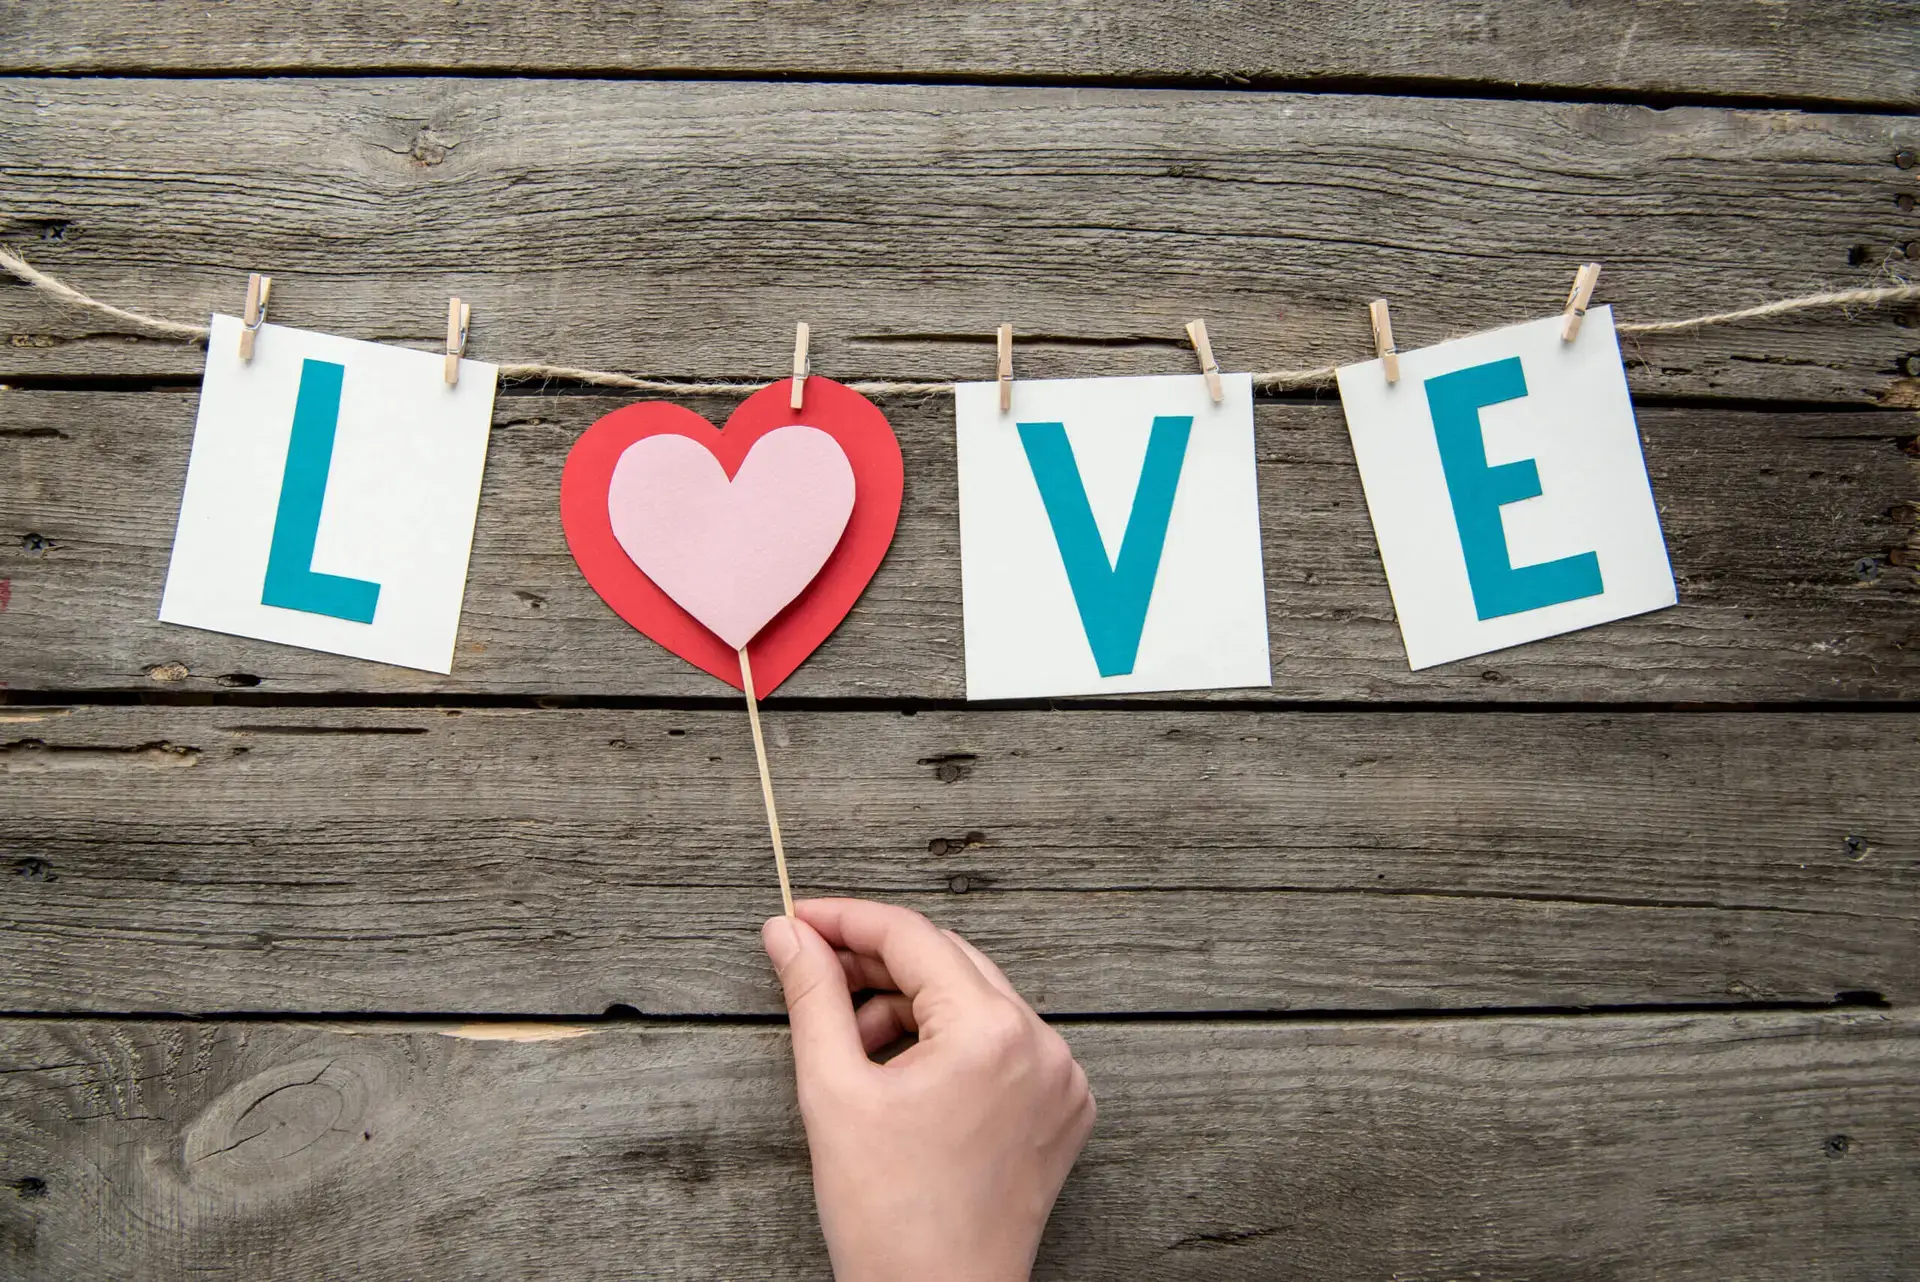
(474, 1023)
(25, 704)
(160, 384)
(1439, 88)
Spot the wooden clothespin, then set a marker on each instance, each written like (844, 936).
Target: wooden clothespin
(1197, 331)
(458, 315)
(802, 365)
(1583, 282)
(255, 315)
(1004, 338)
(1383, 339)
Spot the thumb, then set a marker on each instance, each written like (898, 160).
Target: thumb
(826, 1040)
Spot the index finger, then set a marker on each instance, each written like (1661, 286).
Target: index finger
(916, 953)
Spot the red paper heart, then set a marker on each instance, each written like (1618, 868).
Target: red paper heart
(859, 427)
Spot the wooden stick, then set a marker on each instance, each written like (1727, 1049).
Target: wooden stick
(766, 782)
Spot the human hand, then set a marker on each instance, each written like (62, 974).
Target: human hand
(944, 1162)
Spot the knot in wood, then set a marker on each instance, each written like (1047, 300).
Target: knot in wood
(282, 1128)
(429, 148)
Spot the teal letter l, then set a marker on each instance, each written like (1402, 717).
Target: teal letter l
(1112, 596)
(1479, 491)
(292, 583)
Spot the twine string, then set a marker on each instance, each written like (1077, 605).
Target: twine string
(66, 293)
(1273, 381)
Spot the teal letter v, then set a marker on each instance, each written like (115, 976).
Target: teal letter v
(1112, 596)
(292, 583)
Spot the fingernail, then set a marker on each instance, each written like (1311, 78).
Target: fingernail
(781, 941)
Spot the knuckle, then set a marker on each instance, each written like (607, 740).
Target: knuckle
(804, 988)
(1001, 1030)
(1082, 1087)
(1058, 1053)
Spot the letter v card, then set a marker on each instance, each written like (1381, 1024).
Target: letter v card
(330, 496)
(1110, 537)
(1504, 477)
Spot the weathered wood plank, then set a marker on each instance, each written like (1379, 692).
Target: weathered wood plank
(680, 229)
(1786, 533)
(222, 859)
(1855, 52)
(1710, 1147)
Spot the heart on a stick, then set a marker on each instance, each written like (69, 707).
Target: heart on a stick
(732, 551)
(761, 534)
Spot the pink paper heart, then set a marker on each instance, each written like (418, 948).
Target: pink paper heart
(732, 552)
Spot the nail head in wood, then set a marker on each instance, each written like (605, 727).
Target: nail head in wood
(802, 365)
(459, 315)
(259, 288)
(1003, 337)
(1383, 339)
(1197, 331)
(1583, 282)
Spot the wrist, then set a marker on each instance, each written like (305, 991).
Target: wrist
(922, 1260)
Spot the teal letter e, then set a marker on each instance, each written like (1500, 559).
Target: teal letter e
(1479, 491)
(292, 583)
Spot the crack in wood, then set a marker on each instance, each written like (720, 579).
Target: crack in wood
(37, 755)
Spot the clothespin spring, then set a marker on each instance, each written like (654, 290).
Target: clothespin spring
(1003, 339)
(259, 288)
(1383, 346)
(1197, 332)
(802, 364)
(1583, 282)
(459, 315)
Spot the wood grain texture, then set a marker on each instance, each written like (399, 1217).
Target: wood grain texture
(680, 229)
(254, 859)
(1719, 1148)
(1789, 536)
(1853, 52)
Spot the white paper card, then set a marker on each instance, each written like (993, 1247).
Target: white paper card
(1110, 537)
(350, 535)
(1504, 476)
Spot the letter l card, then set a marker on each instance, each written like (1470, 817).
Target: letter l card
(330, 496)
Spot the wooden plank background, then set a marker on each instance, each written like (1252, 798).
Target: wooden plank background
(679, 229)
(1854, 53)
(317, 968)
(1791, 536)
(535, 861)
(1691, 1147)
